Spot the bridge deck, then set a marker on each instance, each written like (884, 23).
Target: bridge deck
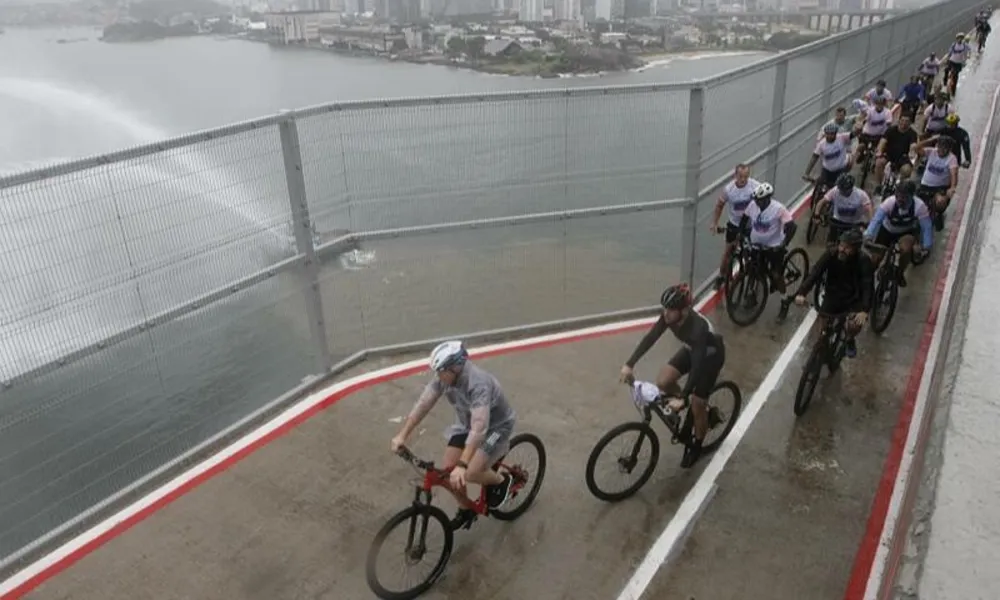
(294, 519)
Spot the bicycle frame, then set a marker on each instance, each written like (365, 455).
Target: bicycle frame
(435, 477)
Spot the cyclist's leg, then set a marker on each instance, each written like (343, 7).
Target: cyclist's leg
(480, 470)
(703, 384)
(732, 235)
(453, 452)
(906, 243)
(678, 366)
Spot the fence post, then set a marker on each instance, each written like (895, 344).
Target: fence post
(777, 110)
(302, 227)
(695, 131)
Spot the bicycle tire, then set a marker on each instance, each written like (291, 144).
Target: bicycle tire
(747, 278)
(788, 259)
(809, 379)
(737, 407)
(879, 326)
(534, 481)
(917, 258)
(837, 353)
(645, 432)
(403, 517)
(812, 228)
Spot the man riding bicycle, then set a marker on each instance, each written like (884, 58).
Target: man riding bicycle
(879, 91)
(852, 208)
(481, 434)
(772, 227)
(958, 53)
(940, 178)
(935, 115)
(848, 276)
(897, 220)
(912, 97)
(960, 141)
(983, 28)
(834, 150)
(737, 195)
(877, 120)
(928, 70)
(894, 149)
(840, 121)
(701, 359)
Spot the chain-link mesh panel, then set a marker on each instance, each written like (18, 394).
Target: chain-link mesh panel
(475, 280)
(737, 123)
(78, 434)
(434, 161)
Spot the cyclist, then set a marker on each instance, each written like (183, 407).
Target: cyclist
(894, 149)
(905, 173)
(935, 115)
(928, 70)
(940, 177)
(737, 195)
(879, 91)
(834, 150)
(960, 141)
(848, 276)
(878, 118)
(772, 228)
(957, 55)
(897, 220)
(983, 30)
(840, 121)
(852, 208)
(482, 431)
(701, 359)
(912, 97)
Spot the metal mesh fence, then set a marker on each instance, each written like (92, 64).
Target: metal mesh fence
(151, 300)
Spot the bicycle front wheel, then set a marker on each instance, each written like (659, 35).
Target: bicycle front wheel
(809, 379)
(746, 294)
(886, 296)
(631, 439)
(724, 404)
(415, 526)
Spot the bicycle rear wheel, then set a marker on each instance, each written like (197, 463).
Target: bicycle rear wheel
(884, 302)
(796, 267)
(627, 459)
(416, 522)
(527, 479)
(718, 413)
(809, 379)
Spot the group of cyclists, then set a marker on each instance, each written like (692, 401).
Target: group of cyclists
(907, 213)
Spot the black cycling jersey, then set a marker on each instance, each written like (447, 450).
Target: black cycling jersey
(696, 332)
(961, 143)
(848, 282)
(897, 143)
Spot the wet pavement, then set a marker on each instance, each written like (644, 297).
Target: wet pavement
(294, 520)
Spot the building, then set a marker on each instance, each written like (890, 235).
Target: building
(531, 11)
(299, 26)
(566, 10)
(502, 48)
(602, 9)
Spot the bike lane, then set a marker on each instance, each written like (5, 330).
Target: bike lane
(294, 518)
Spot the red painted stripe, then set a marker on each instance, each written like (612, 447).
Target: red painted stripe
(865, 557)
(711, 302)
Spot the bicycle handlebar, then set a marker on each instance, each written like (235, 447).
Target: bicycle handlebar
(413, 459)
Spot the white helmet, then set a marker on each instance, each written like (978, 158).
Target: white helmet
(448, 354)
(763, 190)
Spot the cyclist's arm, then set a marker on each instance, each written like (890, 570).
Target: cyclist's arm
(882, 143)
(428, 398)
(953, 176)
(876, 222)
(812, 161)
(719, 204)
(701, 338)
(789, 227)
(479, 421)
(814, 274)
(826, 199)
(966, 145)
(647, 341)
(866, 206)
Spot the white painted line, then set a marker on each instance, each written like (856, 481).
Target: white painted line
(901, 484)
(697, 499)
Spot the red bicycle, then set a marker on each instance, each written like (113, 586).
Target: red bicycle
(421, 514)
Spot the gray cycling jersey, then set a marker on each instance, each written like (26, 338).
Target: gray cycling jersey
(473, 388)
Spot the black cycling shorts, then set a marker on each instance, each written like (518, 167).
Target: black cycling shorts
(836, 306)
(955, 67)
(898, 160)
(886, 238)
(732, 233)
(927, 193)
(829, 178)
(707, 375)
(836, 228)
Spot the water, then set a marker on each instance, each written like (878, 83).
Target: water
(84, 257)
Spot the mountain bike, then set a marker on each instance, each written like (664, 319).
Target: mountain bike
(818, 221)
(886, 286)
(421, 517)
(627, 461)
(751, 285)
(829, 350)
(866, 160)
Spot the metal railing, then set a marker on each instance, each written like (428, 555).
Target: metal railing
(158, 299)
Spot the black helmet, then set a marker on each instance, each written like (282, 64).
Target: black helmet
(906, 189)
(677, 297)
(852, 237)
(845, 183)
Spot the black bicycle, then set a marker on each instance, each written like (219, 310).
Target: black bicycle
(866, 160)
(627, 459)
(750, 283)
(886, 286)
(818, 221)
(829, 349)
